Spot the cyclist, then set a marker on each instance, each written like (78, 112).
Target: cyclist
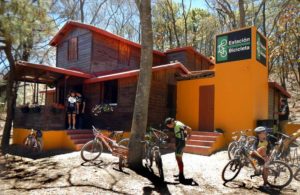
(261, 149)
(71, 109)
(181, 131)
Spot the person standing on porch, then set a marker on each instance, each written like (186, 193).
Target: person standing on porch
(283, 114)
(181, 132)
(80, 108)
(71, 109)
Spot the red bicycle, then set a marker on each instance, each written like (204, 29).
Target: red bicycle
(93, 149)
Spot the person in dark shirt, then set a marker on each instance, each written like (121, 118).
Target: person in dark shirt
(80, 109)
(71, 109)
(283, 114)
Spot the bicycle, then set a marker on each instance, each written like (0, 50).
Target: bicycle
(153, 142)
(278, 173)
(284, 148)
(94, 148)
(242, 139)
(297, 173)
(33, 142)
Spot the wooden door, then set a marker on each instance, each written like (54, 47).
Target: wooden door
(206, 108)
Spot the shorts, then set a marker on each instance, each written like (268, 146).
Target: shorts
(179, 144)
(71, 110)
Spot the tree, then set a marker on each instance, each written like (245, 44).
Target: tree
(140, 114)
(242, 14)
(22, 24)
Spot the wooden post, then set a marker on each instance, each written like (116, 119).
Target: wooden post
(34, 89)
(24, 93)
(37, 93)
(65, 89)
(46, 95)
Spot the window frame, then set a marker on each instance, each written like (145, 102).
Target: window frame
(73, 49)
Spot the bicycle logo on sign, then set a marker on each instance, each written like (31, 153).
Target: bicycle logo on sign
(222, 48)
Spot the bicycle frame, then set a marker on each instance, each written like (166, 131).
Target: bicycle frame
(108, 142)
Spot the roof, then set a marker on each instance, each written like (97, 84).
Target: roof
(280, 89)
(132, 73)
(40, 73)
(72, 24)
(197, 75)
(189, 48)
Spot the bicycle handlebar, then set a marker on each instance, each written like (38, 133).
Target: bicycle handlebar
(241, 132)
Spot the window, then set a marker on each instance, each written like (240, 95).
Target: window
(72, 50)
(124, 54)
(110, 92)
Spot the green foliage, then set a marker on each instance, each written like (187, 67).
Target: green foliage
(24, 23)
(199, 33)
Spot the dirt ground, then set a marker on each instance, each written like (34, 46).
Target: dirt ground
(68, 174)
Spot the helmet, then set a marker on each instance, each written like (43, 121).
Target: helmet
(260, 129)
(168, 120)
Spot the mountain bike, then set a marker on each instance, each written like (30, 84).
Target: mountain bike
(297, 173)
(283, 150)
(33, 142)
(153, 142)
(278, 173)
(239, 138)
(94, 148)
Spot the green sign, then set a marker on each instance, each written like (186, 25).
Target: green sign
(260, 48)
(233, 46)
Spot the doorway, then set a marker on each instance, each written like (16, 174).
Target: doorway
(206, 107)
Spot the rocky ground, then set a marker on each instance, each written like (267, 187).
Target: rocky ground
(68, 174)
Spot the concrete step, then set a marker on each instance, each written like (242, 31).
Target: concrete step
(79, 131)
(200, 142)
(81, 136)
(203, 137)
(205, 133)
(201, 150)
(80, 141)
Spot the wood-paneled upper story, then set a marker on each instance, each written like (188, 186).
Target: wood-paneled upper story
(93, 50)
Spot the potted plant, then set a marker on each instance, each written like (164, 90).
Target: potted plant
(103, 108)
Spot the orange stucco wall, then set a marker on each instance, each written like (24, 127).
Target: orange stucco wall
(241, 95)
(52, 139)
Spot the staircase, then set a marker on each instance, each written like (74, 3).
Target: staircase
(204, 143)
(79, 137)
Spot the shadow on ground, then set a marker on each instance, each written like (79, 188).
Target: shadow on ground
(19, 150)
(267, 190)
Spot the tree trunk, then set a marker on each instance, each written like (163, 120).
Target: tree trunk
(185, 17)
(140, 114)
(82, 10)
(11, 97)
(174, 23)
(242, 14)
(264, 19)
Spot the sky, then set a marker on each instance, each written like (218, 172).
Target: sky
(195, 3)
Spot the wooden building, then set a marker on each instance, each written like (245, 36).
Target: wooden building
(104, 67)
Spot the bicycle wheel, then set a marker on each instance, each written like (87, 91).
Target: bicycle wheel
(231, 170)
(148, 156)
(124, 142)
(297, 174)
(279, 174)
(159, 165)
(231, 149)
(29, 143)
(91, 150)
